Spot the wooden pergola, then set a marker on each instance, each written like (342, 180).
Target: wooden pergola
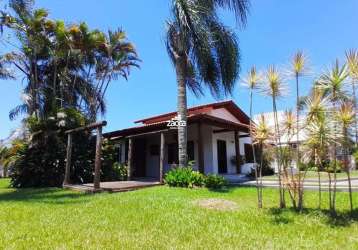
(97, 168)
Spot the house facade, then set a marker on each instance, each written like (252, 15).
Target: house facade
(218, 142)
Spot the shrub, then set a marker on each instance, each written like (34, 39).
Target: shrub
(215, 181)
(184, 177)
(121, 171)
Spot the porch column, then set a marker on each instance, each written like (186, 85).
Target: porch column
(200, 150)
(67, 180)
(97, 163)
(237, 149)
(162, 153)
(130, 158)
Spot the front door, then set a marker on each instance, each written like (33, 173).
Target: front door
(139, 158)
(222, 158)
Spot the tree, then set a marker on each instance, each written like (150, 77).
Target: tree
(298, 69)
(345, 118)
(275, 88)
(252, 82)
(61, 64)
(262, 136)
(352, 62)
(203, 51)
(333, 83)
(319, 135)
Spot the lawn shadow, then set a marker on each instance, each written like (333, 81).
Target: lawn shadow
(338, 219)
(43, 195)
(225, 189)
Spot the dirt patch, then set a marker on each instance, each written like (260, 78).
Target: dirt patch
(217, 204)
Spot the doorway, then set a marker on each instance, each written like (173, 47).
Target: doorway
(139, 160)
(222, 157)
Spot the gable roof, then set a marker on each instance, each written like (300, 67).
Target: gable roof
(202, 109)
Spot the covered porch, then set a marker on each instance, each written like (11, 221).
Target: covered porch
(215, 145)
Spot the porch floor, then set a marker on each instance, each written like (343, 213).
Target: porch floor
(115, 186)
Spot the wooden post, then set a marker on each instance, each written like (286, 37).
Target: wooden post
(200, 150)
(130, 158)
(237, 149)
(67, 180)
(97, 164)
(162, 153)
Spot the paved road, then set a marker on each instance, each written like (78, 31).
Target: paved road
(342, 185)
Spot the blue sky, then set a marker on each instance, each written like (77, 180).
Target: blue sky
(276, 29)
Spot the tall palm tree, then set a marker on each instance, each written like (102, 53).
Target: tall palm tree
(352, 62)
(252, 81)
(333, 83)
(275, 88)
(262, 136)
(345, 118)
(298, 69)
(202, 50)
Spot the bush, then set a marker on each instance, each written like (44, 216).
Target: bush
(41, 161)
(184, 177)
(215, 181)
(121, 171)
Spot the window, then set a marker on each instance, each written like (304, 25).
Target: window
(249, 155)
(173, 153)
(190, 148)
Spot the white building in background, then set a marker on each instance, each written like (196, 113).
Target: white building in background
(291, 140)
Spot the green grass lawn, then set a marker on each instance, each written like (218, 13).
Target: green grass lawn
(313, 175)
(167, 218)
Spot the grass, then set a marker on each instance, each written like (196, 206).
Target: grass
(313, 175)
(162, 218)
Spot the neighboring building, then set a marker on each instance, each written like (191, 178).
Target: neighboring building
(292, 139)
(217, 139)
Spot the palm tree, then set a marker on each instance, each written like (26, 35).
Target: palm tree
(345, 117)
(352, 62)
(275, 88)
(317, 133)
(262, 135)
(202, 50)
(320, 136)
(298, 69)
(252, 82)
(289, 130)
(333, 83)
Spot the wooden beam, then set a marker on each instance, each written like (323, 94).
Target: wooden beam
(200, 149)
(148, 133)
(130, 158)
(97, 163)
(67, 180)
(221, 131)
(88, 127)
(237, 152)
(162, 154)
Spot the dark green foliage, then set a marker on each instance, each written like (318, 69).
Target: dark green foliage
(213, 181)
(41, 163)
(184, 177)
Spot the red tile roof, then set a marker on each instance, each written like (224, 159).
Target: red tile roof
(202, 109)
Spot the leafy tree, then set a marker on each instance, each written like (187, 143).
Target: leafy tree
(203, 51)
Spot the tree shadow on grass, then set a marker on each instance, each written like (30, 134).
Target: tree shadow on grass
(338, 219)
(43, 195)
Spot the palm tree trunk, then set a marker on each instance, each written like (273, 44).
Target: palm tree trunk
(182, 112)
(300, 183)
(345, 134)
(319, 190)
(355, 112)
(260, 176)
(253, 151)
(278, 154)
(335, 163)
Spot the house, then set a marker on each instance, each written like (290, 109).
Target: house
(218, 142)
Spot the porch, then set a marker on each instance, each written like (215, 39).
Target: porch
(216, 146)
(115, 186)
